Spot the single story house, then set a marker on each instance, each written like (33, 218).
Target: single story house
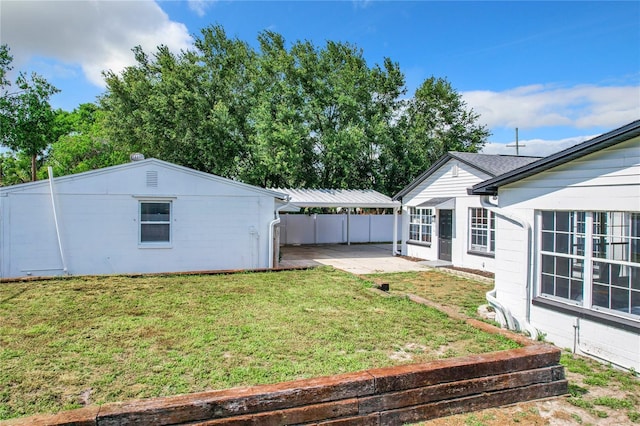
(568, 246)
(441, 222)
(140, 217)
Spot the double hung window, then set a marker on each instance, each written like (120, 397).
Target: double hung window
(155, 222)
(482, 231)
(420, 224)
(592, 259)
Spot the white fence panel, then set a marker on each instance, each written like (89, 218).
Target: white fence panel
(381, 227)
(298, 229)
(332, 228)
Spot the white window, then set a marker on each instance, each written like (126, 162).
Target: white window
(420, 224)
(482, 231)
(155, 222)
(592, 259)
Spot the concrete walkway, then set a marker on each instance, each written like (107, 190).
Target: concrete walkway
(357, 258)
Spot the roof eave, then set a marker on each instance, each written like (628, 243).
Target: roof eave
(614, 137)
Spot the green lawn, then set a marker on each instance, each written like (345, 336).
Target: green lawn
(71, 342)
(462, 294)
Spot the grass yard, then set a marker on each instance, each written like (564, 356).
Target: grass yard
(72, 342)
(599, 394)
(446, 289)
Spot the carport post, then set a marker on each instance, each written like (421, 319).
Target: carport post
(348, 226)
(395, 231)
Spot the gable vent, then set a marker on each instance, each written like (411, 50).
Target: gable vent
(152, 179)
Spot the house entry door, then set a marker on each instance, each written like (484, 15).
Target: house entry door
(445, 234)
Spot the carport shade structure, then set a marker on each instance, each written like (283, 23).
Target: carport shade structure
(343, 198)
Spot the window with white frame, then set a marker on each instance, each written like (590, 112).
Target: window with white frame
(482, 231)
(592, 259)
(420, 224)
(155, 222)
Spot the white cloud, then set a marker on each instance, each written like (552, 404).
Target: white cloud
(96, 35)
(534, 147)
(535, 106)
(199, 6)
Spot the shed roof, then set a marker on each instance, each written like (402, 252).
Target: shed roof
(350, 198)
(491, 164)
(622, 134)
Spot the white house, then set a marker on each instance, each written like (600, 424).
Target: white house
(568, 246)
(444, 224)
(144, 216)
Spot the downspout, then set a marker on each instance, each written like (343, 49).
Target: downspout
(512, 323)
(55, 219)
(272, 225)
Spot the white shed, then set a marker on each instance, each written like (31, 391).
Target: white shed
(441, 222)
(568, 246)
(140, 217)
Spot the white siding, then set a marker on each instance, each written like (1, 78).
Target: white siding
(608, 180)
(590, 338)
(440, 184)
(215, 224)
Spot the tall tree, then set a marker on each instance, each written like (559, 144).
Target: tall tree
(279, 153)
(189, 108)
(81, 143)
(298, 115)
(26, 115)
(434, 121)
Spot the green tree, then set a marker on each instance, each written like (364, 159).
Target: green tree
(26, 115)
(434, 121)
(15, 168)
(81, 144)
(279, 153)
(280, 116)
(189, 108)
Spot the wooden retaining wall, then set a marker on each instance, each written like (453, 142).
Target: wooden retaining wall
(383, 396)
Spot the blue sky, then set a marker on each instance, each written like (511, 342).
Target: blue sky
(559, 71)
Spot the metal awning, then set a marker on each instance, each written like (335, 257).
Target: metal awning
(440, 203)
(333, 198)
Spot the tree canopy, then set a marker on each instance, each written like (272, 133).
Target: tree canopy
(275, 115)
(283, 115)
(26, 117)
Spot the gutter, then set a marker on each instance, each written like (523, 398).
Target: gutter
(272, 225)
(511, 322)
(55, 219)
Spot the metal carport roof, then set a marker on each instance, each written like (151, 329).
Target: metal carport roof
(347, 198)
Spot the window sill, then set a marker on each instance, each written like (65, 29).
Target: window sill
(621, 323)
(481, 253)
(419, 243)
(155, 246)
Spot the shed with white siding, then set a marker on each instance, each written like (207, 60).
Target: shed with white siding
(441, 222)
(568, 246)
(144, 216)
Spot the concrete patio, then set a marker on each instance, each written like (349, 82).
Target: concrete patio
(356, 258)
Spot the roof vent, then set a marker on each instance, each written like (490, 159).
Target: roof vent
(136, 156)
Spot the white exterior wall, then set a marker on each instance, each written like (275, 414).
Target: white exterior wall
(215, 224)
(443, 184)
(608, 180)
